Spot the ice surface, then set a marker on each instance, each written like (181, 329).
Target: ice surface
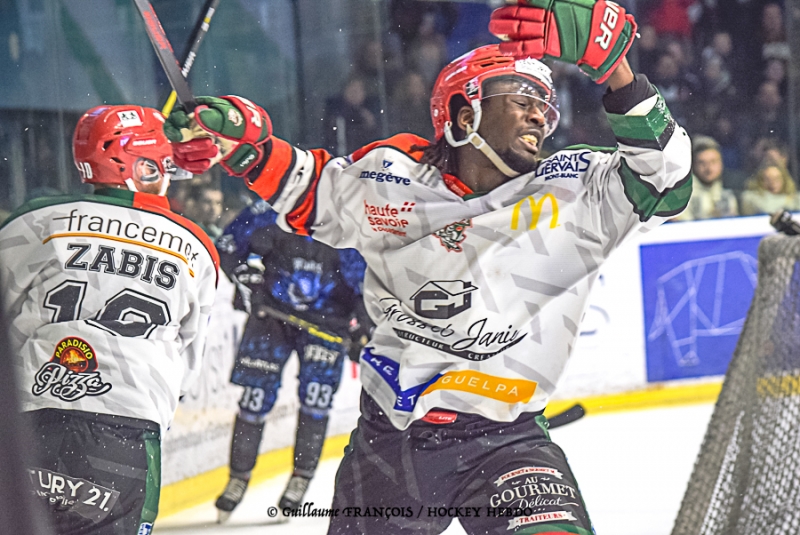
(632, 468)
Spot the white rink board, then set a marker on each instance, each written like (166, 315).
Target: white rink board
(609, 358)
(610, 354)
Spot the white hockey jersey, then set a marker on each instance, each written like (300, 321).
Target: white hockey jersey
(477, 299)
(108, 298)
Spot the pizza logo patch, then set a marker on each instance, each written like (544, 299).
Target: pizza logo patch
(453, 234)
(71, 373)
(75, 354)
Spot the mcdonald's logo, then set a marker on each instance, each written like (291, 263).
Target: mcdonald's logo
(536, 211)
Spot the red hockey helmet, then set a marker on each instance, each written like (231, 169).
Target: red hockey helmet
(122, 145)
(467, 76)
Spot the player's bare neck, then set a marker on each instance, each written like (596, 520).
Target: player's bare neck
(477, 171)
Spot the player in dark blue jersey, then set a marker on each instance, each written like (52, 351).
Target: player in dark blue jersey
(302, 296)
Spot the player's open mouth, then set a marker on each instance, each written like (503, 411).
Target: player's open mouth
(531, 141)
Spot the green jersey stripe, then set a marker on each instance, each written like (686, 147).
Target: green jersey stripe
(647, 127)
(657, 143)
(44, 202)
(647, 201)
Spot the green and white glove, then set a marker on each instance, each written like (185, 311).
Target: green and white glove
(593, 35)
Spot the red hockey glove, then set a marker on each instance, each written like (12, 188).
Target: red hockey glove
(593, 35)
(229, 130)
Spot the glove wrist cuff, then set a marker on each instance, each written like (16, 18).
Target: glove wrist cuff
(621, 46)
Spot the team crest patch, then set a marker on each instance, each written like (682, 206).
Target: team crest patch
(71, 373)
(235, 117)
(453, 234)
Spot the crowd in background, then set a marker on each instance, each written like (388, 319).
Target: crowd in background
(721, 67)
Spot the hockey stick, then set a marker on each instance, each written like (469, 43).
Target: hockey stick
(319, 332)
(198, 33)
(576, 412)
(165, 55)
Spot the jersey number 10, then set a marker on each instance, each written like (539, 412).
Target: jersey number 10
(129, 313)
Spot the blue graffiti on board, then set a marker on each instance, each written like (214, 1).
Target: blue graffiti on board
(696, 296)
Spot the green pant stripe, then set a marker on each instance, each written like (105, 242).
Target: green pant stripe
(152, 443)
(553, 528)
(649, 126)
(542, 422)
(647, 201)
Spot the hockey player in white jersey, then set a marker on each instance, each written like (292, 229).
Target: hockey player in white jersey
(109, 296)
(480, 257)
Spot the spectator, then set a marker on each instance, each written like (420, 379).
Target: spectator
(775, 152)
(647, 50)
(773, 33)
(724, 130)
(671, 18)
(408, 110)
(409, 16)
(709, 198)
(672, 85)
(767, 150)
(775, 71)
(428, 52)
(378, 62)
(205, 208)
(715, 93)
(721, 47)
(350, 120)
(770, 191)
(768, 117)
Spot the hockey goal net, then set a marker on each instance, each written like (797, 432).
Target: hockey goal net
(746, 480)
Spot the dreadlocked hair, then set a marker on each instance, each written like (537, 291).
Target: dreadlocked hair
(441, 154)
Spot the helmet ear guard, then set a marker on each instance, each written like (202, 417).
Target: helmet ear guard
(477, 141)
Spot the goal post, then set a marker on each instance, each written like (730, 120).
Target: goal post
(746, 479)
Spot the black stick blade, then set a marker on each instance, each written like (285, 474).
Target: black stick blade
(165, 54)
(570, 415)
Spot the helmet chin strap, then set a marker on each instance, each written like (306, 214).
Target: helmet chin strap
(164, 185)
(475, 139)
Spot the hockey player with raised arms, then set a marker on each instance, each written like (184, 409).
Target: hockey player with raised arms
(108, 296)
(478, 298)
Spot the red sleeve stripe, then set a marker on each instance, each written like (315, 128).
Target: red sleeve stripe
(401, 142)
(280, 162)
(302, 216)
